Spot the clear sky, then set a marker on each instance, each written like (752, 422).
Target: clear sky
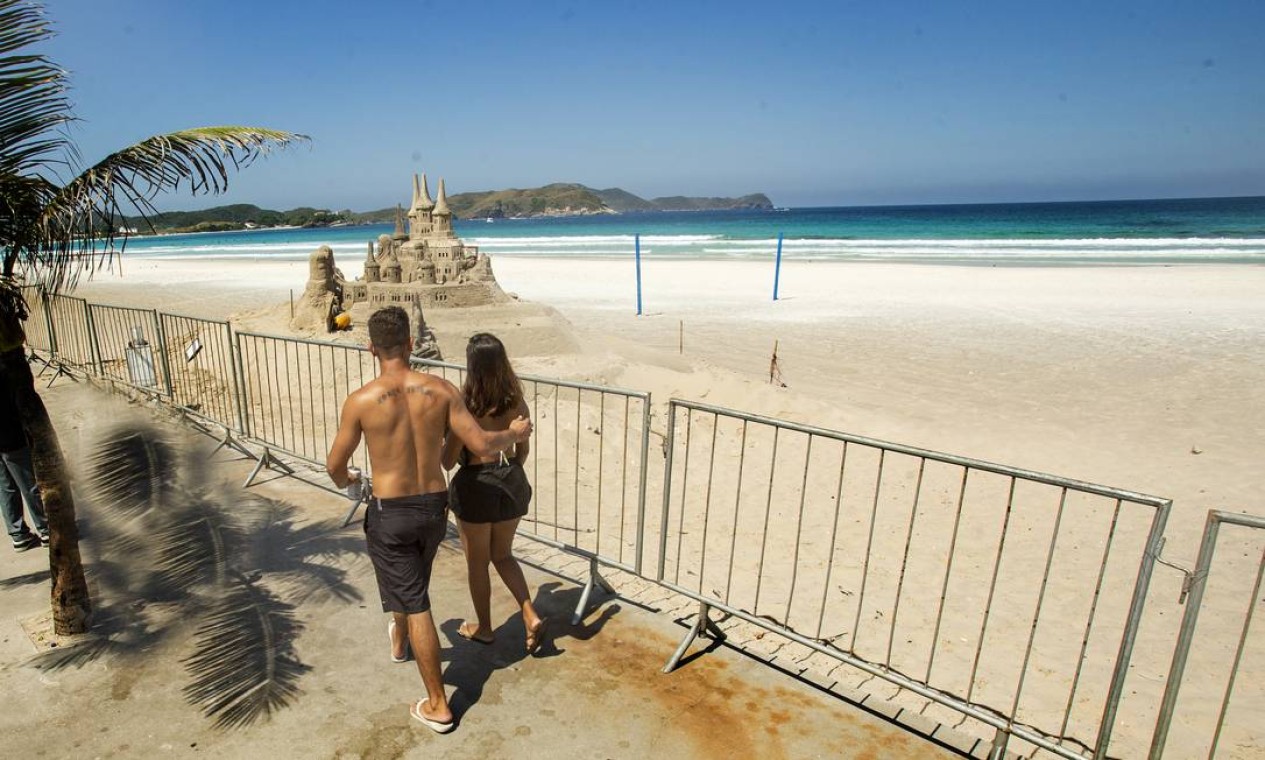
(830, 103)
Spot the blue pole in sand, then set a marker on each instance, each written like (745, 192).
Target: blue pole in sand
(637, 248)
(777, 268)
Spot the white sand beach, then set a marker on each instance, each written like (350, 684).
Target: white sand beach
(1150, 379)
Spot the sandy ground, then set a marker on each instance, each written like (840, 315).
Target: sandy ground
(1150, 379)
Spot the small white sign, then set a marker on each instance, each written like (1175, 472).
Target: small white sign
(192, 350)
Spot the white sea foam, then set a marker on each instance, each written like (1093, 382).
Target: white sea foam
(1016, 250)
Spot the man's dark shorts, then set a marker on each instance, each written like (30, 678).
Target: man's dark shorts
(403, 535)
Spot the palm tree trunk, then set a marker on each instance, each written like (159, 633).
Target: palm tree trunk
(71, 605)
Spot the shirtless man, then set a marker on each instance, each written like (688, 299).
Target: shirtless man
(403, 416)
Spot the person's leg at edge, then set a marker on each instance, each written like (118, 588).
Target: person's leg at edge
(11, 505)
(425, 641)
(476, 543)
(19, 465)
(508, 568)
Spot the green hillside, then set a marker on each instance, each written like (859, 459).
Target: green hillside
(559, 199)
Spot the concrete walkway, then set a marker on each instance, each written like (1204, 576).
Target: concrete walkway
(594, 691)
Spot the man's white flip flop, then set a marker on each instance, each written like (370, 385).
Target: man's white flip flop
(433, 725)
(391, 639)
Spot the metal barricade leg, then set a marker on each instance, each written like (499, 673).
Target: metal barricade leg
(703, 626)
(269, 461)
(227, 441)
(364, 499)
(595, 579)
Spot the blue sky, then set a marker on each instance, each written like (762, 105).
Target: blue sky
(833, 103)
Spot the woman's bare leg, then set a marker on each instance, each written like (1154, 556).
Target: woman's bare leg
(477, 543)
(502, 544)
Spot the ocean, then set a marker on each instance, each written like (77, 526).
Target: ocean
(1203, 231)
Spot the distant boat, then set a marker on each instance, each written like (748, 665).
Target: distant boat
(488, 220)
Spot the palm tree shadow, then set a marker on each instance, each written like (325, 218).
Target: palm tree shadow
(174, 554)
(471, 664)
(26, 579)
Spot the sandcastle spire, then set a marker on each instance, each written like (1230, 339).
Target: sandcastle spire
(417, 196)
(441, 205)
(399, 223)
(426, 201)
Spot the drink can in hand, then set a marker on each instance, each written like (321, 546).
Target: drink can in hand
(356, 488)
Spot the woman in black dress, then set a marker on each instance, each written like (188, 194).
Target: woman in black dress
(489, 496)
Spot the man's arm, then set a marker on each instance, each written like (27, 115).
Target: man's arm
(452, 450)
(523, 447)
(481, 443)
(345, 443)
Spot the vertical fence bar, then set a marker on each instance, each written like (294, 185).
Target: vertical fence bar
(799, 529)
(668, 450)
(733, 534)
(992, 588)
(162, 353)
(869, 547)
(641, 489)
(1238, 655)
(904, 561)
(834, 532)
(1153, 543)
(93, 346)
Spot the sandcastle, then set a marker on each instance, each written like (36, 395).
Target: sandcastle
(427, 266)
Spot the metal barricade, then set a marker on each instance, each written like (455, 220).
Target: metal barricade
(71, 332)
(128, 344)
(38, 328)
(958, 580)
(293, 391)
(1224, 664)
(202, 364)
(587, 465)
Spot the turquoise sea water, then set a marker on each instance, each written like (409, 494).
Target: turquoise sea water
(1206, 230)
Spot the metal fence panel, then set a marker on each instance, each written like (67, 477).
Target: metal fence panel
(203, 367)
(959, 579)
(293, 391)
(1221, 664)
(39, 335)
(129, 343)
(71, 332)
(586, 464)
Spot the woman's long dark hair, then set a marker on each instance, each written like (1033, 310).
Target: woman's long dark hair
(491, 388)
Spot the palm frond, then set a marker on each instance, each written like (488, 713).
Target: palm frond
(33, 103)
(198, 546)
(80, 222)
(297, 556)
(133, 470)
(244, 666)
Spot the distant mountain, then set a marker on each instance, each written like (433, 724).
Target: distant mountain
(622, 200)
(558, 199)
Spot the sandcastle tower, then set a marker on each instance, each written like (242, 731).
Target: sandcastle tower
(419, 214)
(371, 266)
(440, 216)
(399, 235)
(322, 296)
(390, 265)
